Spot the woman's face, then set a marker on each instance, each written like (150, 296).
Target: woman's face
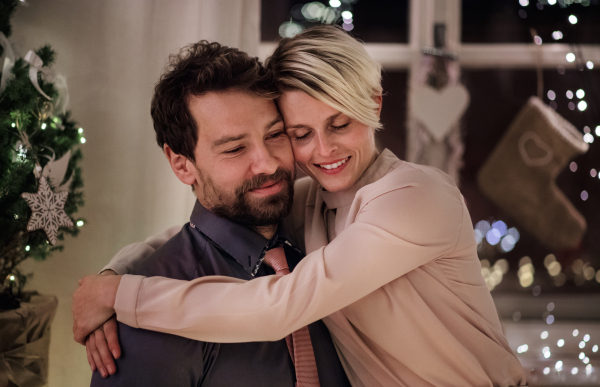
(328, 145)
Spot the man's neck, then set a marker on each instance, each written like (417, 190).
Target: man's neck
(266, 231)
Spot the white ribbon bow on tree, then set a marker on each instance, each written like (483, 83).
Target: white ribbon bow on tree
(9, 61)
(35, 65)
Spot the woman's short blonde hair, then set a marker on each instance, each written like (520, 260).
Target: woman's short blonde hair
(332, 67)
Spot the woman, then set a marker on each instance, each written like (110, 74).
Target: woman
(392, 267)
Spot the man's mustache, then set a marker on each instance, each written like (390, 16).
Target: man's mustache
(260, 180)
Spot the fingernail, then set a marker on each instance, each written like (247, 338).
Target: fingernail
(114, 353)
(92, 367)
(110, 369)
(103, 372)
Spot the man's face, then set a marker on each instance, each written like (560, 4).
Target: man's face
(244, 161)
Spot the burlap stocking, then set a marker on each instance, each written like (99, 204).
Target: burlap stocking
(519, 176)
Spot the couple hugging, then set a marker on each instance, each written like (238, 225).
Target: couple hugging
(363, 273)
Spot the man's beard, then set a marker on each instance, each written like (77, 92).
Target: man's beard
(255, 212)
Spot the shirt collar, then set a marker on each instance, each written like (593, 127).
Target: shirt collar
(376, 171)
(244, 244)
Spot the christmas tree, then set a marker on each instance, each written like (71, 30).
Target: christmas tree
(40, 176)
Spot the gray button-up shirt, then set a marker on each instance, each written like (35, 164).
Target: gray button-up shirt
(211, 245)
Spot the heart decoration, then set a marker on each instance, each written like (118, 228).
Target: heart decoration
(541, 144)
(439, 110)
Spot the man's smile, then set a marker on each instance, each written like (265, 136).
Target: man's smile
(268, 189)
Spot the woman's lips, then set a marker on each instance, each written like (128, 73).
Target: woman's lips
(334, 166)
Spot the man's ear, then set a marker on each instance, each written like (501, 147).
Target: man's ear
(182, 167)
(379, 100)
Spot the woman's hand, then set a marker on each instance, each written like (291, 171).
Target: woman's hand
(102, 347)
(93, 304)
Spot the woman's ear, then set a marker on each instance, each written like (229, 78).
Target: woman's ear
(183, 168)
(379, 100)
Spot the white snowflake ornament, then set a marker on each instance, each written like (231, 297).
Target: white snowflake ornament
(48, 210)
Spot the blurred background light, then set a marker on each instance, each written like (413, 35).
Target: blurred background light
(290, 29)
(493, 236)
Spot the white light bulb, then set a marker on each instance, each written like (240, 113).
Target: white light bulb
(570, 57)
(573, 19)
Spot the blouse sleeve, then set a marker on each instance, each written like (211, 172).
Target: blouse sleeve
(393, 233)
(130, 255)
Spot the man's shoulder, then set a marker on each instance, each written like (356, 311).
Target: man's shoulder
(178, 258)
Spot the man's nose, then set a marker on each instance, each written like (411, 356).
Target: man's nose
(263, 162)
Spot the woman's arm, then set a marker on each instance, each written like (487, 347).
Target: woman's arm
(131, 254)
(393, 234)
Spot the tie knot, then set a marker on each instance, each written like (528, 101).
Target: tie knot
(276, 259)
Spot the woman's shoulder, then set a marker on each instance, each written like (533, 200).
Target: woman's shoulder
(420, 203)
(425, 181)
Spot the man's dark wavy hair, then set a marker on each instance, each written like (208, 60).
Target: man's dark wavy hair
(198, 69)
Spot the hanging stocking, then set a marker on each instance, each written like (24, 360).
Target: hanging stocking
(519, 176)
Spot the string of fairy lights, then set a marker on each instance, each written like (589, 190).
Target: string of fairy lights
(303, 15)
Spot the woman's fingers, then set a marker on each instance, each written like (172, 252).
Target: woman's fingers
(105, 354)
(112, 336)
(96, 355)
(90, 357)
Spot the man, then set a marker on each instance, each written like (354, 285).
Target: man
(215, 119)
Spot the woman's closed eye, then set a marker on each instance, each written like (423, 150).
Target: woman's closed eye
(301, 137)
(340, 127)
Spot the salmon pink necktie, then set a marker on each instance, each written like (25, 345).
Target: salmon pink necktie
(299, 344)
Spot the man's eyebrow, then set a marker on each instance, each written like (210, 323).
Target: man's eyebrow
(328, 121)
(277, 120)
(226, 139)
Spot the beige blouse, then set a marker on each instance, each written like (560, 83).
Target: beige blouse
(392, 269)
